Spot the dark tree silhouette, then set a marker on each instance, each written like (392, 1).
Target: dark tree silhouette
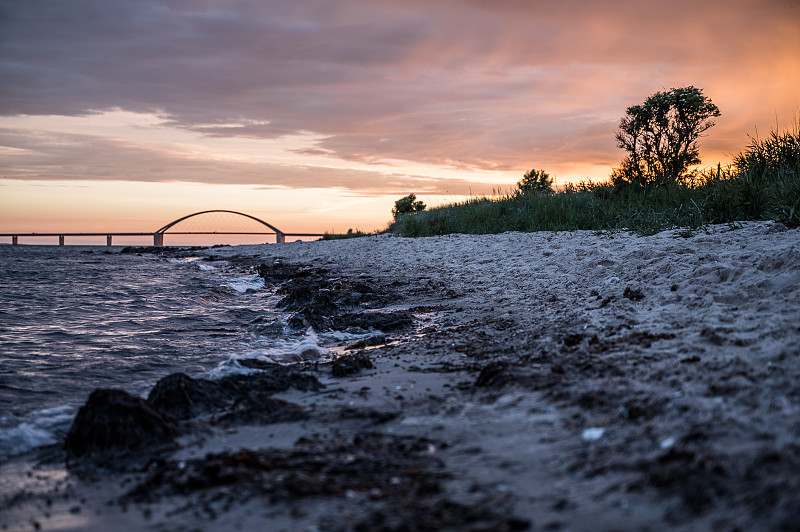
(536, 181)
(661, 136)
(407, 205)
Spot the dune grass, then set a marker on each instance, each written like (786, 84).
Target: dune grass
(349, 234)
(762, 183)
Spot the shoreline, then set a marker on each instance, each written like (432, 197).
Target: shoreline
(569, 381)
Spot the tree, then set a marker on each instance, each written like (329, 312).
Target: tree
(407, 205)
(661, 136)
(536, 181)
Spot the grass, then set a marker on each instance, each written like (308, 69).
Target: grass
(349, 234)
(763, 183)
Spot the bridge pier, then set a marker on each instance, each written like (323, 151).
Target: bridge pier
(14, 240)
(60, 240)
(280, 238)
(108, 240)
(158, 239)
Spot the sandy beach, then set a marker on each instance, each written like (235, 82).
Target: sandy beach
(549, 381)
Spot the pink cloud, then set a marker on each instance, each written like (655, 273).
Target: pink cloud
(471, 84)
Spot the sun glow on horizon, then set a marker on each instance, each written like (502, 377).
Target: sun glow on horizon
(322, 119)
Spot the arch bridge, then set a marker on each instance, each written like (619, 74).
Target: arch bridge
(158, 234)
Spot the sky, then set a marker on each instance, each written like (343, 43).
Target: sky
(317, 115)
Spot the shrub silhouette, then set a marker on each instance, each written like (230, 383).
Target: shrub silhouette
(661, 137)
(407, 205)
(536, 181)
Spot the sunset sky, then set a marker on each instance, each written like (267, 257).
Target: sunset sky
(316, 115)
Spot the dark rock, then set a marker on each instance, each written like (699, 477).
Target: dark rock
(258, 408)
(362, 288)
(358, 344)
(494, 375)
(571, 340)
(361, 343)
(634, 294)
(313, 306)
(276, 379)
(278, 272)
(389, 466)
(777, 227)
(323, 304)
(350, 365)
(442, 514)
(185, 397)
(114, 420)
(699, 480)
(382, 321)
(309, 317)
(298, 297)
(143, 249)
(376, 415)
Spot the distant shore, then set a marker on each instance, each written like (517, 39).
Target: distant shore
(569, 381)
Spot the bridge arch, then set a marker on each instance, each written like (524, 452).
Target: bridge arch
(158, 235)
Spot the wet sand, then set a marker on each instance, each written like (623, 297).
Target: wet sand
(568, 381)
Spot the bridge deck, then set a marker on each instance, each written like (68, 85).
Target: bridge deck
(158, 238)
(158, 234)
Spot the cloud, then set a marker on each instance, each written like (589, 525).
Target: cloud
(468, 84)
(62, 157)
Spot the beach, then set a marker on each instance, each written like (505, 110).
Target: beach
(544, 381)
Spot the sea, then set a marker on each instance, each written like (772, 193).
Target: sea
(76, 318)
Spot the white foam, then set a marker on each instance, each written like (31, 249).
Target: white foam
(182, 260)
(342, 336)
(593, 433)
(282, 351)
(205, 267)
(41, 427)
(242, 285)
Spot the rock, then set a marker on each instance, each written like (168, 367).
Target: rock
(275, 379)
(494, 375)
(361, 343)
(298, 297)
(350, 365)
(114, 420)
(571, 340)
(143, 249)
(382, 321)
(373, 414)
(259, 408)
(634, 294)
(278, 272)
(309, 317)
(777, 227)
(184, 397)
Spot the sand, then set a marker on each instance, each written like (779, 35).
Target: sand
(553, 381)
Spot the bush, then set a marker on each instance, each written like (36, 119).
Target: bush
(407, 205)
(769, 175)
(536, 182)
(661, 137)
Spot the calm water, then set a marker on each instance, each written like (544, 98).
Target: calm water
(77, 318)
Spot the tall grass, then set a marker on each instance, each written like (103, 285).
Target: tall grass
(769, 170)
(358, 233)
(762, 183)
